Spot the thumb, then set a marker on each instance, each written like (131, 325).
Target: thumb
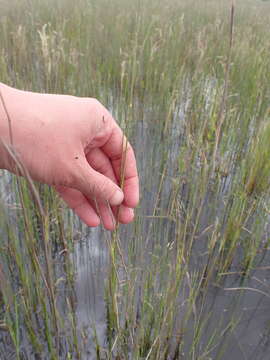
(97, 186)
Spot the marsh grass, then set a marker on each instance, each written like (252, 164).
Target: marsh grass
(190, 86)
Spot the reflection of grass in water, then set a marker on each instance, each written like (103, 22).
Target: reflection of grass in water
(209, 201)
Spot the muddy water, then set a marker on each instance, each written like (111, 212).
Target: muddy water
(249, 336)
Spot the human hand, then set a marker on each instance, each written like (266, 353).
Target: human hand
(76, 146)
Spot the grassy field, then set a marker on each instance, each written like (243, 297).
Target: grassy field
(189, 83)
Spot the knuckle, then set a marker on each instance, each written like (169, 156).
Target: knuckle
(94, 103)
(101, 186)
(102, 189)
(100, 110)
(101, 166)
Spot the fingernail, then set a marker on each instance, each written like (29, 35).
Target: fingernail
(117, 198)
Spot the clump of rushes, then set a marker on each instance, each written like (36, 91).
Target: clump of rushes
(256, 165)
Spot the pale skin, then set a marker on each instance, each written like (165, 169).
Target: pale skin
(74, 145)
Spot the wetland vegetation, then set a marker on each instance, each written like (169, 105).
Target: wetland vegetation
(189, 83)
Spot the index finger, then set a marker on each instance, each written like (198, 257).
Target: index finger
(122, 157)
